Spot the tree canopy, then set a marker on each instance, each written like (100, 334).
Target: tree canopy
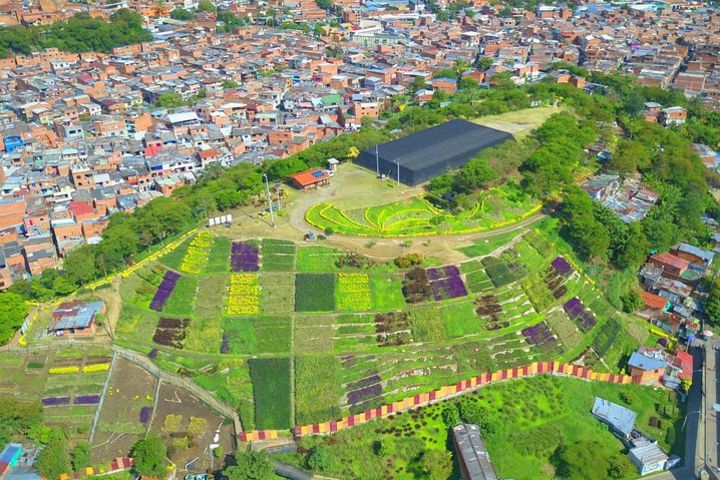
(250, 465)
(149, 456)
(80, 33)
(13, 310)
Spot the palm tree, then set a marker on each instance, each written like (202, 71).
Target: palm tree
(459, 67)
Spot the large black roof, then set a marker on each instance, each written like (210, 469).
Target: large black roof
(423, 155)
(427, 147)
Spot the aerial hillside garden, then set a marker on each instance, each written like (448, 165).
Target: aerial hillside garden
(382, 330)
(289, 333)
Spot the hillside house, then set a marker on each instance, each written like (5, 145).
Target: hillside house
(76, 318)
(309, 179)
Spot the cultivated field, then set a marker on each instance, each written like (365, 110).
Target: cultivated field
(296, 333)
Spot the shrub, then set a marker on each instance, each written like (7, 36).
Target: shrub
(319, 458)
(409, 260)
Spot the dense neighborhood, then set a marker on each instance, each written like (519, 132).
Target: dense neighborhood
(359, 239)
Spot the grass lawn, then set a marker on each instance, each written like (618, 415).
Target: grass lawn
(530, 419)
(315, 292)
(317, 259)
(386, 290)
(460, 319)
(486, 246)
(271, 391)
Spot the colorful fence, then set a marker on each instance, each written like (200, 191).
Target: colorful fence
(443, 393)
(116, 465)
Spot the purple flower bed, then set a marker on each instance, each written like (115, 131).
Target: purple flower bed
(446, 282)
(244, 257)
(576, 311)
(538, 334)
(53, 401)
(561, 266)
(358, 396)
(364, 382)
(573, 307)
(145, 414)
(164, 290)
(87, 400)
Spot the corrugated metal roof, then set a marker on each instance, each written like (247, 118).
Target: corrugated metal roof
(473, 453)
(618, 417)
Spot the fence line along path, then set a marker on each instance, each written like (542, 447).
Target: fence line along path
(443, 393)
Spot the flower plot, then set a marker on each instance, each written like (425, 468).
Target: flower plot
(244, 257)
(392, 329)
(55, 401)
(87, 400)
(446, 282)
(353, 292)
(244, 295)
(579, 314)
(416, 285)
(171, 332)
(164, 290)
(561, 266)
(198, 253)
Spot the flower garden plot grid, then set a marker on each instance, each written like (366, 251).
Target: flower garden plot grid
(244, 257)
(164, 290)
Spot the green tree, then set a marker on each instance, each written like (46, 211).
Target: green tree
(250, 465)
(170, 100)
(484, 63)
(436, 464)
(712, 306)
(450, 416)
(149, 456)
(206, 6)
(79, 266)
(620, 467)
(319, 458)
(53, 460)
(632, 302)
(181, 14)
(13, 310)
(80, 456)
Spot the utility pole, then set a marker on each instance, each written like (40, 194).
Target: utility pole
(398, 172)
(269, 199)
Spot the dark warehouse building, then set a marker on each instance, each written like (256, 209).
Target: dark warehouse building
(424, 155)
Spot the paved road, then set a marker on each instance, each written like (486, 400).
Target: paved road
(710, 416)
(694, 425)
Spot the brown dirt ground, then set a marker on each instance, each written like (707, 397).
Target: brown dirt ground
(176, 400)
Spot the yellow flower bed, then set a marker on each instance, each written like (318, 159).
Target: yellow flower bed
(353, 292)
(73, 369)
(244, 295)
(97, 367)
(197, 254)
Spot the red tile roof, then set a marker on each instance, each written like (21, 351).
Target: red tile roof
(668, 258)
(310, 177)
(654, 301)
(80, 208)
(684, 361)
